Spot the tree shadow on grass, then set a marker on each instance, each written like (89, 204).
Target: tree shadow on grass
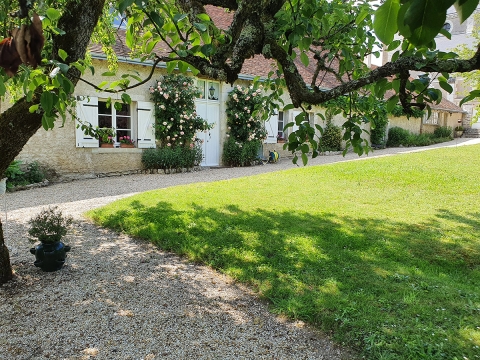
(121, 298)
(380, 285)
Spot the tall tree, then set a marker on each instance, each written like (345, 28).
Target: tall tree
(325, 37)
(78, 21)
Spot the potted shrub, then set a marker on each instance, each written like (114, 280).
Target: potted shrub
(126, 142)
(106, 137)
(49, 227)
(459, 131)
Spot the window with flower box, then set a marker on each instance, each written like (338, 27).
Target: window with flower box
(135, 120)
(117, 117)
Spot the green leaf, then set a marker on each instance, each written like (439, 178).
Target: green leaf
(46, 100)
(207, 49)
(385, 21)
(126, 98)
(33, 108)
(53, 14)
(446, 86)
(123, 4)
(183, 66)
(391, 103)
(129, 38)
(150, 46)
(446, 34)
(473, 94)
(58, 31)
(393, 45)
(109, 73)
(304, 59)
(422, 25)
(304, 159)
(200, 27)
(288, 107)
(203, 17)
(157, 19)
(47, 121)
(179, 17)
(63, 54)
(363, 14)
(63, 68)
(465, 8)
(171, 65)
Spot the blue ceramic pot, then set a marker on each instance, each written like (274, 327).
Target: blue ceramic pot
(50, 257)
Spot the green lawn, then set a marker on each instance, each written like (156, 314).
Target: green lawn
(383, 254)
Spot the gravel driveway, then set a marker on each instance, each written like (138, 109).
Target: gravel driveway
(121, 298)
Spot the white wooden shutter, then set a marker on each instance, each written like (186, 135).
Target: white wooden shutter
(146, 122)
(87, 112)
(272, 129)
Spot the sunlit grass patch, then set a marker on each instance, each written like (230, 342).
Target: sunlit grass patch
(383, 253)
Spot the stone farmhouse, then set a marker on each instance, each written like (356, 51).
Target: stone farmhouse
(73, 155)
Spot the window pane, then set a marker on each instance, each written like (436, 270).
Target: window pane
(102, 108)
(125, 110)
(201, 87)
(213, 91)
(124, 122)
(104, 121)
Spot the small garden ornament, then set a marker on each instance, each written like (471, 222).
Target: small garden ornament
(49, 226)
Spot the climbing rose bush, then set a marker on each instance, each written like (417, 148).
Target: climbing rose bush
(176, 121)
(246, 130)
(243, 120)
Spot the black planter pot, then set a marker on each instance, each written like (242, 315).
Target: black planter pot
(50, 257)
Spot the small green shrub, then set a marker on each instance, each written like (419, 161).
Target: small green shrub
(397, 136)
(14, 174)
(443, 132)
(331, 140)
(35, 173)
(172, 158)
(50, 225)
(419, 140)
(19, 174)
(240, 154)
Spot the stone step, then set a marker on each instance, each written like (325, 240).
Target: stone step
(471, 133)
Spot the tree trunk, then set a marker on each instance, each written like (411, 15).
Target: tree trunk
(5, 267)
(17, 124)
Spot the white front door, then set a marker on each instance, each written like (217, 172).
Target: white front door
(209, 111)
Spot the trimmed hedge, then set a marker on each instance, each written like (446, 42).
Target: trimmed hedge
(168, 158)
